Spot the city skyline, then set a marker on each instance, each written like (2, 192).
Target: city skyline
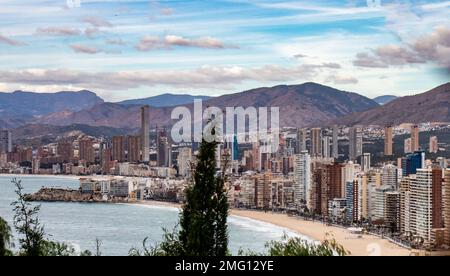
(123, 48)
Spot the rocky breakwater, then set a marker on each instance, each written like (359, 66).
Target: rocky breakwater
(68, 195)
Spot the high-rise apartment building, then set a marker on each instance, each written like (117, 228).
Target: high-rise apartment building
(434, 147)
(388, 137)
(134, 149)
(118, 149)
(378, 203)
(301, 140)
(145, 133)
(184, 161)
(316, 142)
(5, 141)
(353, 201)
(355, 143)
(405, 204)
(65, 151)
(392, 210)
(415, 142)
(86, 150)
(326, 147)
(302, 178)
(412, 162)
(426, 203)
(408, 146)
(389, 176)
(366, 162)
(335, 154)
(446, 209)
(164, 149)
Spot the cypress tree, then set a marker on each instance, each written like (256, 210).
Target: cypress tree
(203, 220)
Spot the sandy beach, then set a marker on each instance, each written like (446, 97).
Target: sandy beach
(368, 245)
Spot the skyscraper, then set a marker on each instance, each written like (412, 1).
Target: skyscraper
(145, 133)
(134, 149)
(302, 178)
(65, 151)
(365, 162)
(415, 138)
(447, 207)
(301, 140)
(352, 196)
(388, 149)
(434, 147)
(335, 154)
(86, 150)
(184, 161)
(118, 148)
(5, 141)
(316, 142)
(389, 176)
(164, 148)
(408, 146)
(326, 147)
(392, 210)
(412, 162)
(355, 143)
(426, 203)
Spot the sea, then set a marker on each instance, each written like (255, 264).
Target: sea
(119, 227)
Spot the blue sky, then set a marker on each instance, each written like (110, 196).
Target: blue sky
(125, 49)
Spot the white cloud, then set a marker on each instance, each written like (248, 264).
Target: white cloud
(97, 22)
(148, 43)
(58, 31)
(433, 47)
(10, 41)
(84, 49)
(212, 77)
(338, 79)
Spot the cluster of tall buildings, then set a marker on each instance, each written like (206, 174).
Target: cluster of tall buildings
(409, 197)
(319, 171)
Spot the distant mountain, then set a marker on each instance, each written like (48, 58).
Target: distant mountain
(431, 106)
(381, 100)
(35, 135)
(308, 104)
(165, 100)
(25, 105)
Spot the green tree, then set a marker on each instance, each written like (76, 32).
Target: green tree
(299, 247)
(5, 238)
(26, 223)
(203, 220)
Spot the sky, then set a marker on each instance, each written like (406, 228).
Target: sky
(124, 49)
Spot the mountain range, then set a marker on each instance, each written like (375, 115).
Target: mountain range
(20, 107)
(381, 100)
(431, 106)
(300, 105)
(304, 105)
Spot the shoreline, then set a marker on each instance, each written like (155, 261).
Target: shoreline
(368, 245)
(74, 177)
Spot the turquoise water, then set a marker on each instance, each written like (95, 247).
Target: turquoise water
(119, 227)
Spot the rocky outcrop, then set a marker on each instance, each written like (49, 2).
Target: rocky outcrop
(68, 195)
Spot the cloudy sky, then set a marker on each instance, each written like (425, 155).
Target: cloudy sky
(125, 49)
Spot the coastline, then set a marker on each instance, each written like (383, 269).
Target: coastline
(74, 177)
(368, 245)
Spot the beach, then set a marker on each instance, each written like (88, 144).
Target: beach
(367, 245)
